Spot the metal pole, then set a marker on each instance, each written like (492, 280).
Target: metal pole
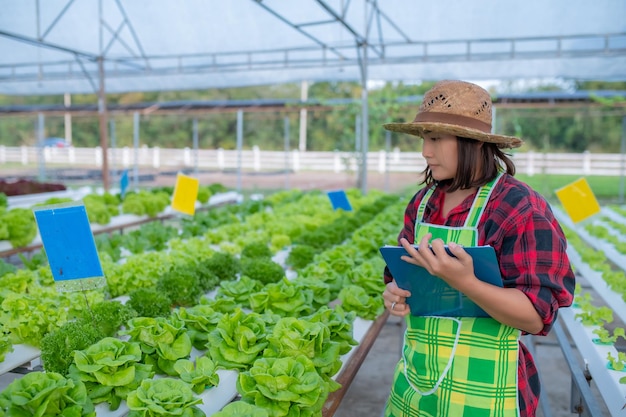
(40, 147)
(195, 147)
(102, 119)
(364, 119)
(239, 147)
(304, 94)
(67, 102)
(287, 152)
(113, 149)
(623, 162)
(387, 151)
(357, 134)
(136, 146)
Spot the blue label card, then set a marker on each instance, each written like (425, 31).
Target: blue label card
(124, 183)
(339, 200)
(69, 244)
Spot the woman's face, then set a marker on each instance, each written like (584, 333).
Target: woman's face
(441, 154)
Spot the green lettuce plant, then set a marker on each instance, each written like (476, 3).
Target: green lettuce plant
(46, 394)
(367, 276)
(239, 290)
(200, 375)
(110, 369)
(29, 317)
(605, 337)
(256, 250)
(222, 304)
(340, 324)
(21, 226)
(181, 285)
(287, 386)
(5, 344)
(355, 298)
(293, 336)
(141, 270)
(300, 256)
(5, 267)
(164, 397)
(17, 281)
(619, 363)
(264, 270)
(109, 316)
(320, 289)
(57, 347)
(150, 302)
(286, 298)
(241, 408)
(237, 340)
(162, 341)
(595, 316)
(225, 265)
(145, 202)
(200, 320)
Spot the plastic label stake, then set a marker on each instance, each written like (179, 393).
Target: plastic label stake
(70, 247)
(185, 194)
(578, 200)
(124, 183)
(339, 200)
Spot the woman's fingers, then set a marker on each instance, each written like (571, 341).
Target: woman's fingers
(395, 299)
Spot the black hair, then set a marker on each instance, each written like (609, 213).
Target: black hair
(478, 163)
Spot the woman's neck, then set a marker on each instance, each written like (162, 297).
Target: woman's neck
(455, 198)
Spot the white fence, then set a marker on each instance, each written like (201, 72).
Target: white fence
(530, 163)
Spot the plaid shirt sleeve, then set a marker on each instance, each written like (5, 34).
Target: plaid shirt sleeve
(531, 248)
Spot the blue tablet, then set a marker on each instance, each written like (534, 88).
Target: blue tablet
(432, 296)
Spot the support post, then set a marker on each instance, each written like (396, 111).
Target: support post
(67, 102)
(195, 147)
(623, 162)
(40, 147)
(102, 121)
(387, 151)
(287, 168)
(239, 147)
(113, 149)
(304, 95)
(136, 149)
(364, 118)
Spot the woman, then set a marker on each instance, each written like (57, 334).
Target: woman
(474, 366)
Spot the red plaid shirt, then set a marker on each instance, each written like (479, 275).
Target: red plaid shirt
(530, 246)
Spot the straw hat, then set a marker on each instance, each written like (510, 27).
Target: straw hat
(458, 108)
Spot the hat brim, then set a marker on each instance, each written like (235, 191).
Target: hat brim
(418, 129)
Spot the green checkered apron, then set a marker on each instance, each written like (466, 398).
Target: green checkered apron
(456, 366)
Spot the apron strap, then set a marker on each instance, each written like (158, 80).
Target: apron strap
(480, 202)
(422, 207)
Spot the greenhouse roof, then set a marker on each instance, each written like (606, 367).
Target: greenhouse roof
(86, 46)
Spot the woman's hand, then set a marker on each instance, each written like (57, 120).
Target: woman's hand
(457, 271)
(395, 299)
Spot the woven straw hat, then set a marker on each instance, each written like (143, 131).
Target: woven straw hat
(458, 108)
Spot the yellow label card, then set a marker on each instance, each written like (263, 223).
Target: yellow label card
(578, 200)
(185, 194)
